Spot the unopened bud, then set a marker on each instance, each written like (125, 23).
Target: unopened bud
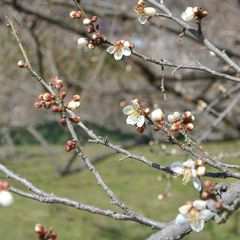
(93, 19)
(201, 171)
(76, 98)
(22, 64)
(38, 104)
(157, 115)
(4, 185)
(189, 127)
(150, 11)
(86, 21)
(75, 14)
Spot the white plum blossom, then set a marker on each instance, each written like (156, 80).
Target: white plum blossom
(134, 113)
(144, 13)
(195, 213)
(6, 198)
(120, 49)
(191, 170)
(189, 14)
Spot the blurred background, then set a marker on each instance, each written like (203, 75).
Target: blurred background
(32, 141)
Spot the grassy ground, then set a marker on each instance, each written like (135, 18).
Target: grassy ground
(134, 183)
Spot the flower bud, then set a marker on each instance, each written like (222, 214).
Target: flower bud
(6, 198)
(204, 195)
(56, 108)
(93, 19)
(150, 11)
(63, 121)
(199, 162)
(157, 115)
(73, 105)
(189, 127)
(86, 21)
(38, 104)
(76, 98)
(146, 111)
(208, 185)
(4, 185)
(82, 41)
(201, 171)
(22, 64)
(218, 205)
(47, 96)
(75, 14)
(175, 127)
(39, 228)
(75, 119)
(176, 116)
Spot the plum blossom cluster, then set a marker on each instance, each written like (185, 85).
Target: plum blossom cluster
(191, 170)
(44, 234)
(6, 198)
(139, 116)
(120, 48)
(193, 13)
(144, 12)
(195, 213)
(56, 101)
(181, 122)
(95, 38)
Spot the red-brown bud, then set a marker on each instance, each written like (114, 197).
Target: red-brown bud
(47, 96)
(53, 235)
(75, 14)
(93, 19)
(76, 98)
(22, 64)
(63, 121)
(67, 148)
(218, 205)
(75, 119)
(4, 185)
(146, 111)
(39, 229)
(38, 104)
(208, 185)
(204, 195)
(56, 108)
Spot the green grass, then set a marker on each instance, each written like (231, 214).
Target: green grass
(134, 183)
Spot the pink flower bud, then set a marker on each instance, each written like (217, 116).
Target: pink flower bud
(22, 64)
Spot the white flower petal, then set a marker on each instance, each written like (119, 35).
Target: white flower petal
(185, 208)
(197, 226)
(132, 119)
(142, 19)
(126, 51)
(180, 219)
(118, 55)
(206, 215)
(82, 41)
(140, 121)
(177, 167)
(188, 14)
(194, 172)
(135, 104)
(197, 183)
(111, 49)
(200, 204)
(6, 198)
(128, 109)
(189, 163)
